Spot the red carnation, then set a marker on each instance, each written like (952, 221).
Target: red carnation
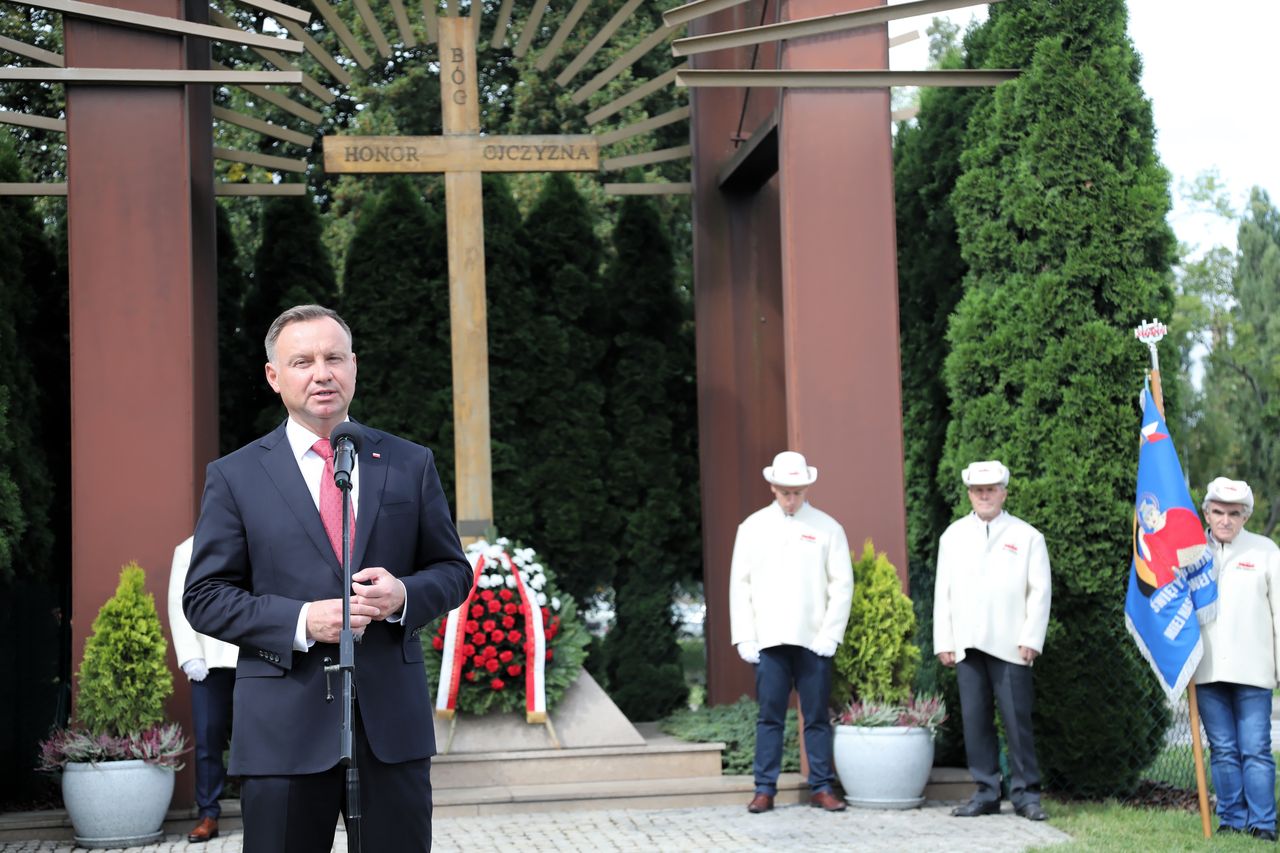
(506, 656)
(552, 631)
(437, 643)
(497, 636)
(477, 660)
(505, 594)
(468, 650)
(494, 606)
(497, 684)
(473, 676)
(472, 626)
(491, 665)
(479, 639)
(508, 621)
(444, 626)
(514, 636)
(546, 614)
(489, 652)
(555, 621)
(488, 625)
(549, 653)
(487, 595)
(514, 669)
(510, 608)
(477, 610)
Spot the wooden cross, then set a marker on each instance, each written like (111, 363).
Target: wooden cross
(463, 154)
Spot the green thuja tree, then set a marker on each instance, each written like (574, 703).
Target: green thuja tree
(877, 661)
(565, 445)
(1061, 215)
(291, 267)
(240, 359)
(397, 298)
(651, 420)
(123, 681)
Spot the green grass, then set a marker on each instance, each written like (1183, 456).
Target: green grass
(1113, 827)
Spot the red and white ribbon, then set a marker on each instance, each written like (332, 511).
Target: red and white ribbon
(451, 660)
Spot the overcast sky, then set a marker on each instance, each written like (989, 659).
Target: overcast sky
(1213, 90)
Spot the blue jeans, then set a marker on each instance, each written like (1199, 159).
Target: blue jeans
(781, 667)
(1237, 719)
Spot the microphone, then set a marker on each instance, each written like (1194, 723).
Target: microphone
(345, 440)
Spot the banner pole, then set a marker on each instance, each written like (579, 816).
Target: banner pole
(1154, 332)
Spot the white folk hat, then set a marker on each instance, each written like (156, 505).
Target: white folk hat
(1227, 491)
(789, 469)
(989, 473)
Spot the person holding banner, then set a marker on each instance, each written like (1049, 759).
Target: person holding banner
(990, 615)
(1239, 668)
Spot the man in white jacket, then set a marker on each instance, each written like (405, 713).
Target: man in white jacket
(211, 666)
(1238, 670)
(790, 588)
(990, 614)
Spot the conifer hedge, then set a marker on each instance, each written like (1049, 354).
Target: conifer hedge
(1060, 212)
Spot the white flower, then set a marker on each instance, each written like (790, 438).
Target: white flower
(483, 581)
(495, 581)
(542, 599)
(504, 541)
(536, 567)
(555, 604)
(539, 582)
(511, 581)
(524, 576)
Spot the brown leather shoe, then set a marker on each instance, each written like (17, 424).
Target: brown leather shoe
(207, 828)
(760, 803)
(827, 801)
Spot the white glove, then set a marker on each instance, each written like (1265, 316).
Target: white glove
(749, 652)
(822, 647)
(196, 669)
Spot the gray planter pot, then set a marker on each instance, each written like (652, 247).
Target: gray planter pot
(117, 803)
(883, 767)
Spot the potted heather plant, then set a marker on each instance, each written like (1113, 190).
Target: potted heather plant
(884, 735)
(118, 756)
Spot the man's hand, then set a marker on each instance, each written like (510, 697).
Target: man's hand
(1028, 654)
(196, 669)
(379, 589)
(324, 619)
(947, 658)
(749, 652)
(823, 647)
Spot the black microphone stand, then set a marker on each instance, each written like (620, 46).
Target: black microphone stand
(347, 665)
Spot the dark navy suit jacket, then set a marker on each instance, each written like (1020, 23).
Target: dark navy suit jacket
(261, 551)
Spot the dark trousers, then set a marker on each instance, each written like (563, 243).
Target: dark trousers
(984, 682)
(780, 668)
(299, 814)
(211, 717)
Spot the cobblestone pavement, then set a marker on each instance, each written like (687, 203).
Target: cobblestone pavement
(724, 828)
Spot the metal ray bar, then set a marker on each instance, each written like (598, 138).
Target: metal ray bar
(477, 12)
(38, 122)
(630, 130)
(160, 23)
(287, 104)
(280, 62)
(904, 114)
(623, 62)
(253, 158)
(452, 8)
(343, 33)
(430, 12)
(697, 9)
(500, 28)
(821, 25)
(662, 155)
(407, 38)
(904, 38)
(557, 41)
(606, 32)
(266, 128)
(222, 188)
(280, 11)
(375, 30)
(148, 76)
(649, 189)
(30, 51)
(638, 93)
(530, 28)
(839, 79)
(31, 189)
(319, 53)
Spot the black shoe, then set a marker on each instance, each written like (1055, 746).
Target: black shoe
(1032, 811)
(1224, 829)
(974, 808)
(1264, 834)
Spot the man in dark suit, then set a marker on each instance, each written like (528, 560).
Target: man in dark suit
(265, 575)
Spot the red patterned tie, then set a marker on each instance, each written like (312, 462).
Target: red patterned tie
(331, 500)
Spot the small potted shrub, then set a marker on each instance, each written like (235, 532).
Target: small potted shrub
(884, 735)
(118, 757)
